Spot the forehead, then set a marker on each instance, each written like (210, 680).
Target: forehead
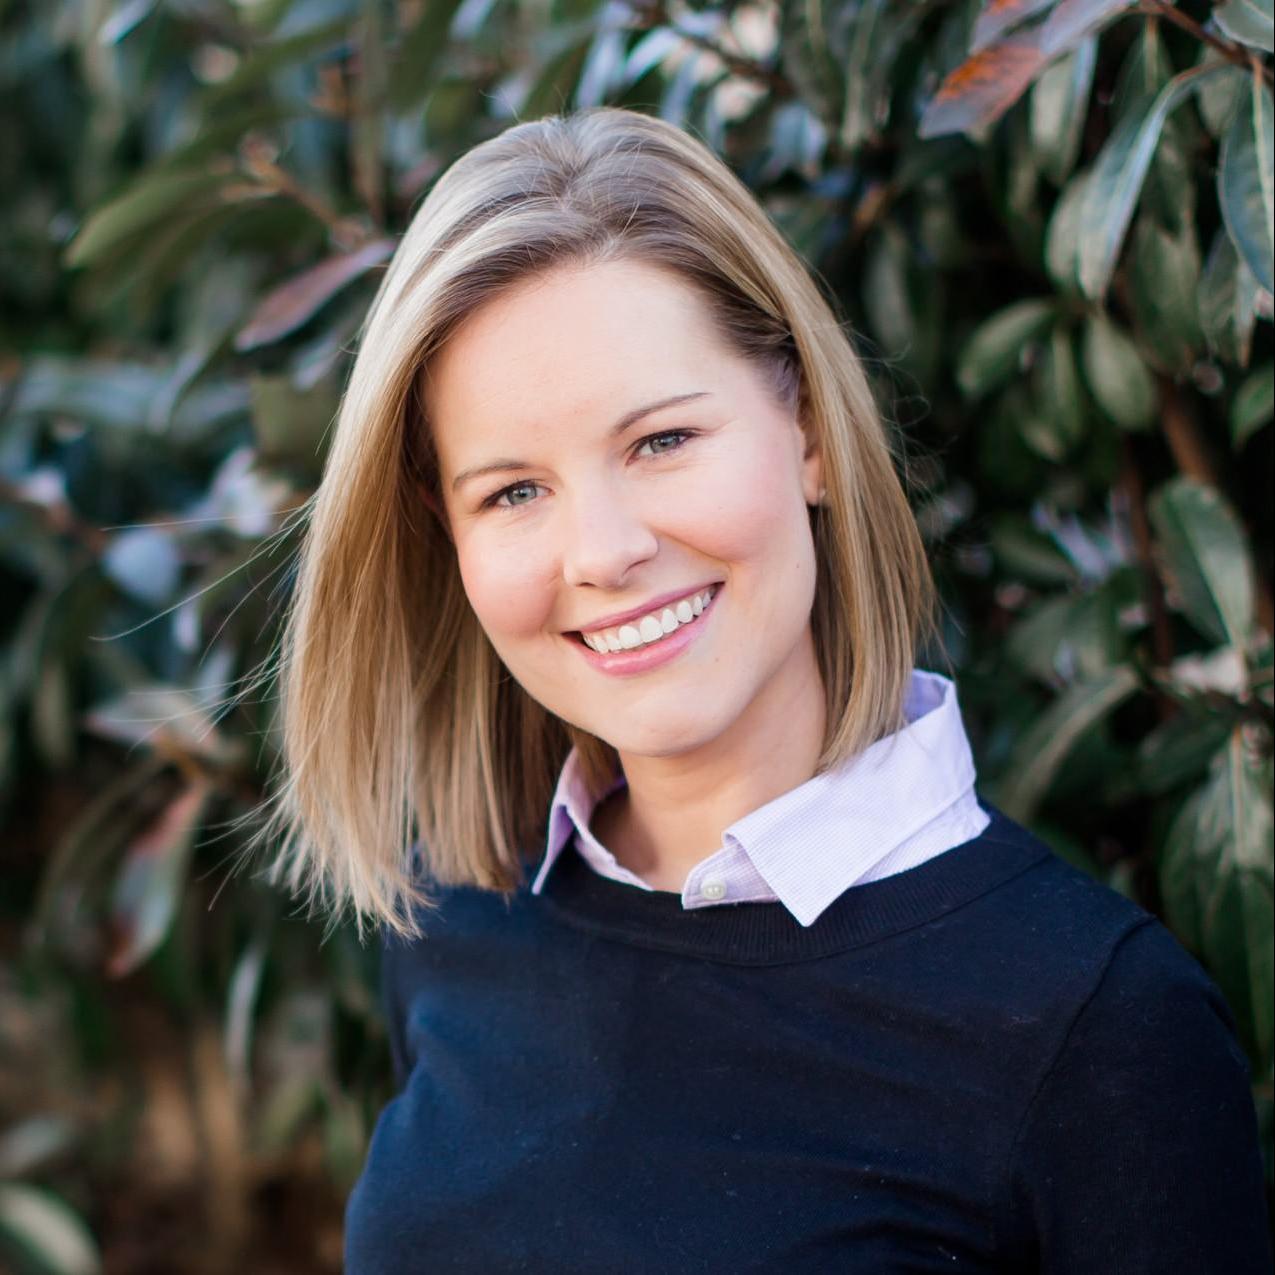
(577, 344)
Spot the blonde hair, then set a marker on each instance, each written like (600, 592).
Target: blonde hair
(399, 722)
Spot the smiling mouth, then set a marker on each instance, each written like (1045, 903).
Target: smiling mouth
(651, 628)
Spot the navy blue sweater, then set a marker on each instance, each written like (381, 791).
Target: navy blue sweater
(986, 1063)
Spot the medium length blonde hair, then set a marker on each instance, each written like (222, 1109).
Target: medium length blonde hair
(401, 728)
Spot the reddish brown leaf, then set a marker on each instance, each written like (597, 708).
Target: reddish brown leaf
(151, 878)
(288, 306)
(983, 87)
(999, 16)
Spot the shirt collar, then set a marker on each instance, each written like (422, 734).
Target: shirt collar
(854, 814)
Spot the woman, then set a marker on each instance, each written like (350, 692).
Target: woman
(709, 958)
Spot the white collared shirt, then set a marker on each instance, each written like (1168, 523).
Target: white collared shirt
(901, 801)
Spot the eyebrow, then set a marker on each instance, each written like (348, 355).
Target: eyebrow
(628, 419)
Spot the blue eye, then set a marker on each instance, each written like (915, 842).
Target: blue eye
(517, 495)
(676, 438)
(513, 496)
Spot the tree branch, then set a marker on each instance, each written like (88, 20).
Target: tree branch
(1240, 54)
(653, 13)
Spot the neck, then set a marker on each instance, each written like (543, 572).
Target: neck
(673, 811)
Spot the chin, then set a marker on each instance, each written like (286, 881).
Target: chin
(661, 738)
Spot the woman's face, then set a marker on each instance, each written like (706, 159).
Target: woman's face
(612, 472)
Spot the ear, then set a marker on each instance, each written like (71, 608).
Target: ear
(812, 480)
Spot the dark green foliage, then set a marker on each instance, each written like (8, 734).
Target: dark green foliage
(1049, 225)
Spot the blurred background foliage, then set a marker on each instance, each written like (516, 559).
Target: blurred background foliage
(1048, 224)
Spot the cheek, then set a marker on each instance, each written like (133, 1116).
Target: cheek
(507, 592)
(749, 509)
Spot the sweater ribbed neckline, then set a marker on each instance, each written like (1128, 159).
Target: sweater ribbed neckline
(767, 933)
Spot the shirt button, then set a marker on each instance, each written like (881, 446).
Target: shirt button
(713, 888)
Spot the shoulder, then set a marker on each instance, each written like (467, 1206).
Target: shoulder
(1057, 942)
(451, 917)
(1050, 906)
(1141, 1120)
(1155, 1014)
(1130, 994)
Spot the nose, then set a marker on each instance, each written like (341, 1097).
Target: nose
(604, 538)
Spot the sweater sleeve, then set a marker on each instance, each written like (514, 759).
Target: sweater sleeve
(1139, 1151)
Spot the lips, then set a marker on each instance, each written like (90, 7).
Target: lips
(650, 626)
(654, 607)
(649, 655)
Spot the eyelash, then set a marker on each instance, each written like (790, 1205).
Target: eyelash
(494, 500)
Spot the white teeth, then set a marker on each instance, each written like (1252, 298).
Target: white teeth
(650, 628)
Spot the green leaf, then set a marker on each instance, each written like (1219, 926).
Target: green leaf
(1253, 405)
(1166, 282)
(1061, 382)
(1169, 188)
(1059, 105)
(413, 74)
(1061, 422)
(1206, 556)
(1248, 21)
(1117, 181)
(1245, 184)
(1215, 879)
(1180, 749)
(1219, 96)
(1117, 376)
(149, 202)
(242, 992)
(264, 59)
(865, 94)
(1227, 301)
(1062, 239)
(903, 303)
(344, 1137)
(1004, 459)
(1144, 70)
(807, 59)
(1025, 553)
(1044, 747)
(994, 352)
(285, 1109)
(1072, 20)
(885, 291)
(551, 91)
(1019, 189)
(46, 1231)
(603, 70)
(1069, 636)
(81, 853)
(293, 425)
